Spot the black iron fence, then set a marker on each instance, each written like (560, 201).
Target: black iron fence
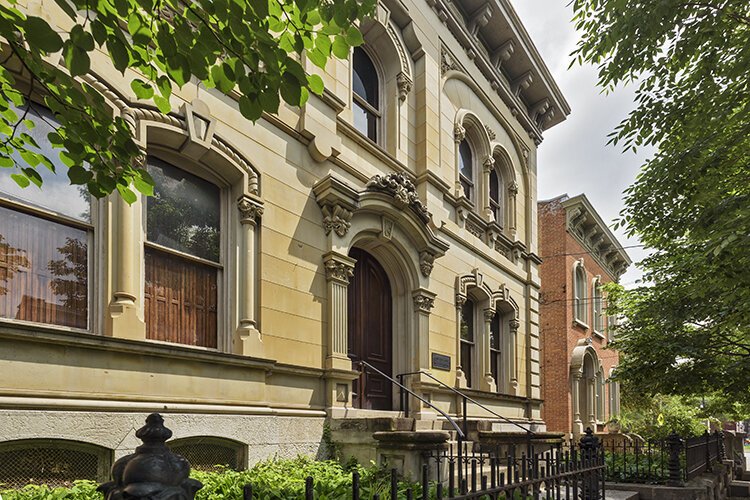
(462, 474)
(668, 461)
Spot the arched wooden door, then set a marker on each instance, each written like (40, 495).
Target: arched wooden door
(370, 331)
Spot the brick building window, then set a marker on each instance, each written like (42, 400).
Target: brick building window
(598, 306)
(579, 292)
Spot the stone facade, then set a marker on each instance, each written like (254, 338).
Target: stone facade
(299, 191)
(575, 243)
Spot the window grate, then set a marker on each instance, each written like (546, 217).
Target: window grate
(36, 463)
(207, 455)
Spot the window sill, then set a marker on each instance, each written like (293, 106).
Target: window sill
(580, 324)
(598, 334)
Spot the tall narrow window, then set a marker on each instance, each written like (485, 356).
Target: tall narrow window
(467, 340)
(366, 87)
(496, 203)
(600, 396)
(598, 307)
(579, 289)
(45, 237)
(496, 332)
(466, 169)
(183, 257)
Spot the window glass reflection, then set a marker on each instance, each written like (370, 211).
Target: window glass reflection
(56, 194)
(184, 214)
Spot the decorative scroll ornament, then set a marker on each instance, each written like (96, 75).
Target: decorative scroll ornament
(404, 84)
(423, 302)
(403, 192)
(490, 132)
(447, 63)
(337, 219)
(340, 271)
(250, 210)
(426, 262)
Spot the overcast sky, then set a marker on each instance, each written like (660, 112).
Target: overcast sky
(574, 157)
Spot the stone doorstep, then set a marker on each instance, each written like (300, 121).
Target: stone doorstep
(739, 489)
(621, 495)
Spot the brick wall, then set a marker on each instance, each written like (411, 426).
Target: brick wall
(559, 334)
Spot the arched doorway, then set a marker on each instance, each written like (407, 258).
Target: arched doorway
(370, 331)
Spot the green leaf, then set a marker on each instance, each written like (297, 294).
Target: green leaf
(143, 185)
(354, 37)
(162, 104)
(127, 194)
(20, 179)
(81, 39)
(39, 34)
(67, 8)
(142, 89)
(340, 48)
(76, 60)
(119, 53)
(78, 175)
(315, 83)
(250, 108)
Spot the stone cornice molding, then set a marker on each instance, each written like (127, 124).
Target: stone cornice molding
(586, 226)
(513, 57)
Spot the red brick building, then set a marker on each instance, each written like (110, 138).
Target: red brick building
(580, 255)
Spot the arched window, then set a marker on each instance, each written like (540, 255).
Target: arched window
(468, 340)
(466, 169)
(45, 239)
(183, 257)
(579, 290)
(496, 355)
(496, 201)
(366, 95)
(598, 307)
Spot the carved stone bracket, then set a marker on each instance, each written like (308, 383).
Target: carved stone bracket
(426, 262)
(488, 164)
(336, 218)
(514, 325)
(403, 191)
(250, 210)
(459, 132)
(490, 132)
(404, 84)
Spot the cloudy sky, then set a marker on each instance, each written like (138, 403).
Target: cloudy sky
(574, 157)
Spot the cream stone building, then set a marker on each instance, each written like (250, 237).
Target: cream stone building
(393, 220)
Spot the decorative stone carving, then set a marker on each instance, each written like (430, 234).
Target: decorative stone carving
(447, 63)
(502, 53)
(489, 314)
(404, 84)
(522, 82)
(514, 325)
(474, 229)
(460, 300)
(337, 219)
(387, 227)
(337, 270)
(250, 210)
(488, 164)
(513, 188)
(403, 191)
(423, 302)
(480, 18)
(426, 262)
(459, 132)
(490, 132)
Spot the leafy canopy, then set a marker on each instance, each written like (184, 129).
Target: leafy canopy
(690, 330)
(251, 46)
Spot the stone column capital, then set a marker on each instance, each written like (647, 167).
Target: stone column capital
(488, 163)
(424, 300)
(339, 268)
(250, 209)
(514, 324)
(489, 314)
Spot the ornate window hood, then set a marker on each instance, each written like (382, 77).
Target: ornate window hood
(585, 224)
(494, 38)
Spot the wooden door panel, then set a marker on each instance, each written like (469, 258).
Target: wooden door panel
(370, 330)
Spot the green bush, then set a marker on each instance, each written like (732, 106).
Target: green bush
(271, 480)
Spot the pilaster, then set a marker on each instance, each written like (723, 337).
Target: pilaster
(248, 337)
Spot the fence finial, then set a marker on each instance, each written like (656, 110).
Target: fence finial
(153, 471)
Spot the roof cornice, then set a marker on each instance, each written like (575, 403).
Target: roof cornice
(587, 226)
(511, 63)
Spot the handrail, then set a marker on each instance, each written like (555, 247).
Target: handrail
(467, 398)
(367, 365)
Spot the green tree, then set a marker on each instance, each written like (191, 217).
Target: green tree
(687, 329)
(252, 46)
